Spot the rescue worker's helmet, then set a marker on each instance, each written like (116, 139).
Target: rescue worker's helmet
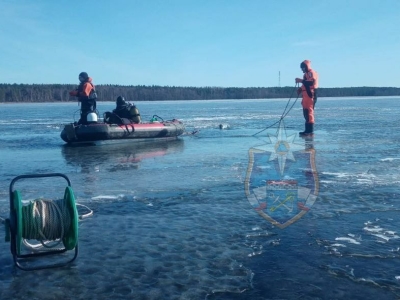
(120, 100)
(83, 76)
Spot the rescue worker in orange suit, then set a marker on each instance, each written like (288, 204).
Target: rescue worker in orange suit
(84, 92)
(308, 91)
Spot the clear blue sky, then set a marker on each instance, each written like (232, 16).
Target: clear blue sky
(225, 43)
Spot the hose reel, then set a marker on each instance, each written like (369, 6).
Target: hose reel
(51, 222)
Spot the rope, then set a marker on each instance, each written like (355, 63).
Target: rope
(80, 216)
(284, 114)
(83, 216)
(193, 132)
(45, 220)
(155, 116)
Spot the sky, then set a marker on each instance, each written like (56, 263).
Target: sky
(199, 43)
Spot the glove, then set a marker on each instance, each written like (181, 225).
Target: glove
(73, 93)
(299, 80)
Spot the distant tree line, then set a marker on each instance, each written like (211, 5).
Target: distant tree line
(60, 92)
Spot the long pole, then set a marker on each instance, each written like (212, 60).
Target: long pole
(279, 79)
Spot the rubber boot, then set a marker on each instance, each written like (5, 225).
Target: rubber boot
(309, 130)
(305, 130)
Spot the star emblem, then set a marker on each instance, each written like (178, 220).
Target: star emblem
(281, 147)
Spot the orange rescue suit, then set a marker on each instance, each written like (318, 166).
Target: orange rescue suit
(308, 91)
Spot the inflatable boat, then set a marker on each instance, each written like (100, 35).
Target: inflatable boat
(103, 133)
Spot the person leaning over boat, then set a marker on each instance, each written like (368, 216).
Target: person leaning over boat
(308, 91)
(86, 96)
(126, 110)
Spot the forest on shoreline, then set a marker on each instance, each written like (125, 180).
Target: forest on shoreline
(60, 92)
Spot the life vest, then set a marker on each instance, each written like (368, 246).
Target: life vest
(91, 97)
(93, 93)
(312, 76)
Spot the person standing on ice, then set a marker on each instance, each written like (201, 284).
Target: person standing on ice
(308, 91)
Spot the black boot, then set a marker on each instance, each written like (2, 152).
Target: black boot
(305, 130)
(309, 130)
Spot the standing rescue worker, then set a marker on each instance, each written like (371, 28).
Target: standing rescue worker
(86, 96)
(308, 91)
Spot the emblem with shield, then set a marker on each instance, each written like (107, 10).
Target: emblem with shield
(281, 181)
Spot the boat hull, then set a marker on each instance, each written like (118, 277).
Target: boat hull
(99, 133)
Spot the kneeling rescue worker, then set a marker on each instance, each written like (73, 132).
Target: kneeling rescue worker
(308, 91)
(127, 110)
